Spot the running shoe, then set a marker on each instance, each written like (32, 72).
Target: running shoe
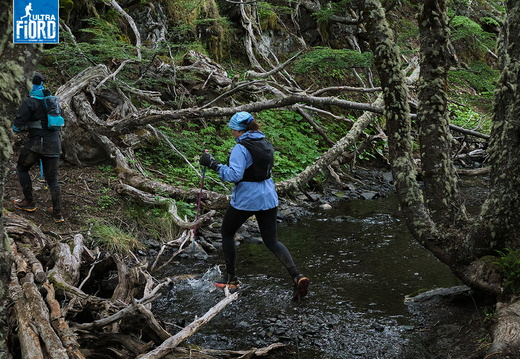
(301, 287)
(58, 218)
(227, 280)
(25, 205)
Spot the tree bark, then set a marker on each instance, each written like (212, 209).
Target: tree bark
(440, 182)
(397, 113)
(500, 212)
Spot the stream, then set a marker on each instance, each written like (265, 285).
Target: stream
(362, 262)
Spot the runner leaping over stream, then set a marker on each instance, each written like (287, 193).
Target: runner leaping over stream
(249, 168)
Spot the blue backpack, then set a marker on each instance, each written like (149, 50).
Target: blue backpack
(54, 118)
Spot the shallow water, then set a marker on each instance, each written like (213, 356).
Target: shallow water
(361, 261)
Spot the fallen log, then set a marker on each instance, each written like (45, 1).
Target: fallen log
(29, 342)
(189, 330)
(20, 263)
(31, 312)
(67, 262)
(156, 200)
(60, 325)
(505, 332)
(24, 231)
(36, 267)
(251, 353)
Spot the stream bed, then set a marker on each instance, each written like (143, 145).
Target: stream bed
(362, 262)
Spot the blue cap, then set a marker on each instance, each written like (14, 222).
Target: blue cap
(240, 121)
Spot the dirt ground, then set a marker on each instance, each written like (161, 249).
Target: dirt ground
(87, 193)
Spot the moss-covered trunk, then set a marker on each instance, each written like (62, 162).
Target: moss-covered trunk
(439, 222)
(397, 113)
(439, 175)
(16, 64)
(501, 211)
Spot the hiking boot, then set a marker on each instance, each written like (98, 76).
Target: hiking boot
(227, 280)
(301, 287)
(25, 205)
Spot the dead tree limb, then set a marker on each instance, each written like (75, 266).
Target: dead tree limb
(132, 24)
(245, 353)
(150, 199)
(24, 231)
(262, 75)
(67, 262)
(31, 311)
(26, 333)
(34, 264)
(189, 330)
(60, 325)
(123, 312)
(326, 159)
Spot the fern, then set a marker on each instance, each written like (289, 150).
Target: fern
(324, 59)
(468, 30)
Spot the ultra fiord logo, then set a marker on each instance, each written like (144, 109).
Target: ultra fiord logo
(36, 21)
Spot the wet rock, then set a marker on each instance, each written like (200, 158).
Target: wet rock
(243, 324)
(195, 250)
(368, 195)
(255, 240)
(388, 177)
(207, 246)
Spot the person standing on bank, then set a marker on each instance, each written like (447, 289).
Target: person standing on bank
(250, 164)
(43, 144)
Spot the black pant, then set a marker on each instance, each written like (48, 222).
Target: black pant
(234, 218)
(26, 160)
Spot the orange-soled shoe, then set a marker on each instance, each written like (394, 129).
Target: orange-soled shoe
(301, 287)
(24, 205)
(58, 218)
(227, 280)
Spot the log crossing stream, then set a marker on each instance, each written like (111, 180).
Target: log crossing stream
(361, 261)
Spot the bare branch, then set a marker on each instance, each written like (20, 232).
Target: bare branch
(189, 330)
(132, 24)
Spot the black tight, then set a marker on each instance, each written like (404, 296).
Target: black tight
(234, 218)
(26, 160)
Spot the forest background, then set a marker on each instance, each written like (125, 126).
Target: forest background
(146, 87)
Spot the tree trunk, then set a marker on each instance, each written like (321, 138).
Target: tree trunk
(500, 213)
(440, 182)
(451, 239)
(397, 113)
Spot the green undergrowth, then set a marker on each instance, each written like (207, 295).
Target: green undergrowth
(135, 225)
(297, 145)
(509, 262)
(466, 117)
(111, 238)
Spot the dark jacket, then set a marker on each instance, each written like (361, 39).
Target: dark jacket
(32, 116)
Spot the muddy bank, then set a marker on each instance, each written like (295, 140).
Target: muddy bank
(450, 323)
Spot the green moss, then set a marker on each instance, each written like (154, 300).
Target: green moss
(66, 7)
(268, 17)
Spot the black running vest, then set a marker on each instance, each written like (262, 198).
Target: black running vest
(263, 159)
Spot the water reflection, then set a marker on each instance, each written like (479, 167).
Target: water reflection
(362, 262)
